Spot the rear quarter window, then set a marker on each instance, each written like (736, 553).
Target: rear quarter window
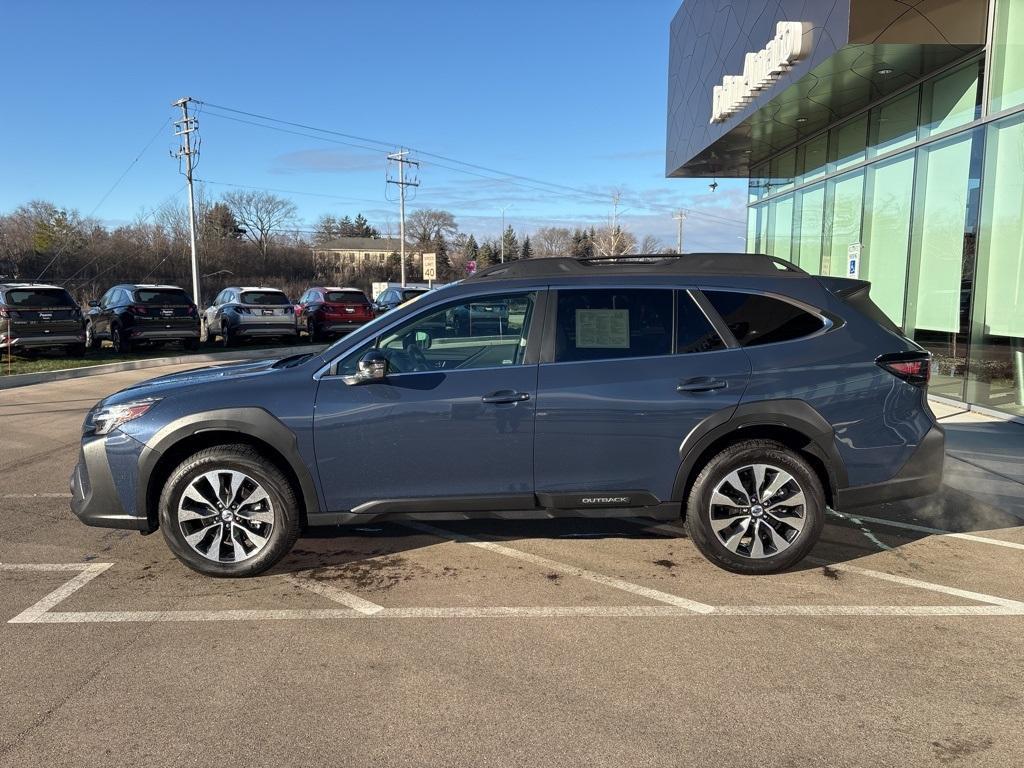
(755, 319)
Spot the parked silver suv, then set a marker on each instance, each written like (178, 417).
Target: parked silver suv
(240, 312)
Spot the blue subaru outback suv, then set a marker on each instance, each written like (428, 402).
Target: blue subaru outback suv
(734, 390)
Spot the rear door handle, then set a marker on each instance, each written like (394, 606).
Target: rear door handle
(702, 384)
(506, 396)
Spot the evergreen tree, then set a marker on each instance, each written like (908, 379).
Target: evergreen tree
(346, 228)
(526, 252)
(510, 244)
(471, 250)
(487, 255)
(361, 227)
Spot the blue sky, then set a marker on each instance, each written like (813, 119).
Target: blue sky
(572, 93)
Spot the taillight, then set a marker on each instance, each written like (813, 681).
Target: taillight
(137, 309)
(912, 367)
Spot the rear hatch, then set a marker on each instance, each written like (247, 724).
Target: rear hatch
(266, 306)
(347, 306)
(40, 312)
(167, 308)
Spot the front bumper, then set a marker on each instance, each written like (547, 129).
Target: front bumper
(94, 496)
(920, 476)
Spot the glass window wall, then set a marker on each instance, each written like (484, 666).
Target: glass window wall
(1006, 86)
(890, 190)
(844, 203)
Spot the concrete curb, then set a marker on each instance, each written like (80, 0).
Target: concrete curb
(26, 379)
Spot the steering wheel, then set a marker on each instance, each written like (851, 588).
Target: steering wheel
(416, 356)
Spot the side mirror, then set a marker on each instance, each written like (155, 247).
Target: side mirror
(373, 366)
(94, 302)
(423, 340)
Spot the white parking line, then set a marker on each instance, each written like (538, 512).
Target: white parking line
(908, 582)
(927, 529)
(87, 572)
(571, 570)
(336, 594)
(35, 495)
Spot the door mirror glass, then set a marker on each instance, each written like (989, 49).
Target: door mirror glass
(373, 366)
(423, 340)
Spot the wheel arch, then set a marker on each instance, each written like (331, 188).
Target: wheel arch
(793, 423)
(255, 427)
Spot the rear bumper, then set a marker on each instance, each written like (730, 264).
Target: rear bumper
(94, 497)
(161, 334)
(341, 326)
(265, 329)
(920, 476)
(36, 341)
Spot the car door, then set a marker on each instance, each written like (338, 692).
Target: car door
(210, 313)
(451, 425)
(104, 313)
(629, 373)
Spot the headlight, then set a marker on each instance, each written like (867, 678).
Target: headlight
(101, 421)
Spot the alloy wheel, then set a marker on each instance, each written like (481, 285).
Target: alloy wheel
(226, 516)
(757, 511)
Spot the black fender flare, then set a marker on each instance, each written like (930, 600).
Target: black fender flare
(796, 415)
(251, 421)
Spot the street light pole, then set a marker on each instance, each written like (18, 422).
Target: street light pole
(503, 208)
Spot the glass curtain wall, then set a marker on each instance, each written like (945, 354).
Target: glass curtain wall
(1006, 86)
(887, 207)
(997, 344)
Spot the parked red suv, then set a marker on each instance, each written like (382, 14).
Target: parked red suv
(322, 312)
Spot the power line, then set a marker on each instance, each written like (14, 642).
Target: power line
(108, 193)
(290, 192)
(512, 178)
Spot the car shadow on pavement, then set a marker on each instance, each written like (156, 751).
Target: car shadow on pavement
(846, 536)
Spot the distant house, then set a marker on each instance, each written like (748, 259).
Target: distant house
(354, 252)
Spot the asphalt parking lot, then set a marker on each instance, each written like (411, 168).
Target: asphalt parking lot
(543, 643)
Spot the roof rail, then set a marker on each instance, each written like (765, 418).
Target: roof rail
(644, 263)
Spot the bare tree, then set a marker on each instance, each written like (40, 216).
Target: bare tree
(651, 244)
(614, 241)
(428, 225)
(551, 241)
(260, 214)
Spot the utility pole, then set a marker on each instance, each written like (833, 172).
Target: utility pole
(185, 128)
(402, 158)
(679, 216)
(503, 209)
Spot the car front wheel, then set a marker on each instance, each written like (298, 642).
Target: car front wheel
(756, 508)
(226, 511)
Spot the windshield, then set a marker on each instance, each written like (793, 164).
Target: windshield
(411, 293)
(156, 296)
(342, 296)
(265, 297)
(40, 297)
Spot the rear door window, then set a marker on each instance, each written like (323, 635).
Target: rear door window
(755, 319)
(608, 324)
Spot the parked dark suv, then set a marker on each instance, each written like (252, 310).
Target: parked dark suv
(733, 389)
(35, 316)
(130, 314)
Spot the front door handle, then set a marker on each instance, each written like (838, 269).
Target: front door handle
(702, 384)
(506, 396)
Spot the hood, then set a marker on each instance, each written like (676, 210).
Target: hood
(178, 382)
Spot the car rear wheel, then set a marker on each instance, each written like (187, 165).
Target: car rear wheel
(120, 340)
(227, 339)
(190, 344)
(756, 508)
(75, 350)
(313, 331)
(226, 511)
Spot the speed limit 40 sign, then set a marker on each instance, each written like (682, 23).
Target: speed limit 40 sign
(430, 266)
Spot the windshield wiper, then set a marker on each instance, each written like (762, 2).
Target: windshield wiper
(292, 360)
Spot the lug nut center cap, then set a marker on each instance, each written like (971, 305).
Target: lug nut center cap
(757, 510)
(227, 516)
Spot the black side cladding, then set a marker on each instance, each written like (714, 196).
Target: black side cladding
(856, 293)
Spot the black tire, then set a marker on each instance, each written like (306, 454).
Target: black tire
(190, 345)
(227, 338)
(92, 343)
(736, 457)
(313, 331)
(282, 497)
(75, 350)
(122, 344)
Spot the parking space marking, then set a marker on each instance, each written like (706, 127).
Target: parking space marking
(336, 594)
(926, 529)
(35, 495)
(86, 573)
(908, 582)
(570, 570)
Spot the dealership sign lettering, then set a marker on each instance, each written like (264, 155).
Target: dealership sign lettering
(759, 70)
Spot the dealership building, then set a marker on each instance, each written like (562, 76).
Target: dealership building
(882, 140)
